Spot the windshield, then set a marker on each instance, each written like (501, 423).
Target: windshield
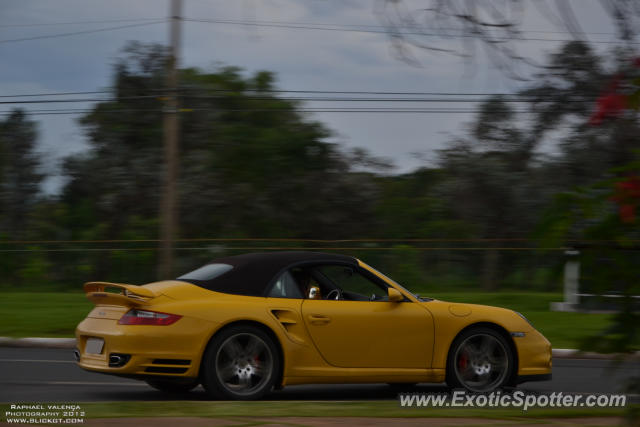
(395, 283)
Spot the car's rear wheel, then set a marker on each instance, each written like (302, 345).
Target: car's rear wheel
(241, 363)
(178, 385)
(480, 360)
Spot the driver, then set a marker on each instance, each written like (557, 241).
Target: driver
(304, 280)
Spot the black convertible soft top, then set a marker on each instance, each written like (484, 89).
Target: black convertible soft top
(252, 273)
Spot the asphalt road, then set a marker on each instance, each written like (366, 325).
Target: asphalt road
(51, 375)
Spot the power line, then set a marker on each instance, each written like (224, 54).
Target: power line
(346, 99)
(311, 91)
(104, 21)
(25, 95)
(297, 26)
(283, 24)
(75, 33)
(245, 22)
(49, 101)
(299, 240)
(407, 110)
(299, 248)
(416, 26)
(369, 92)
(522, 99)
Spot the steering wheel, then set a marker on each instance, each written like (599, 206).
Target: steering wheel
(335, 294)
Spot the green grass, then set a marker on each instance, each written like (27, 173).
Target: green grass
(385, 408)
(564, 330)
(51, 314)
(42, 314)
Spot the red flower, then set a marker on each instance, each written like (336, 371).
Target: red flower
(630, 187)
(627, 196)
(627, 213)
(609, 105)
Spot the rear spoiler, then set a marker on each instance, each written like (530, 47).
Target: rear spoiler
(127, 295)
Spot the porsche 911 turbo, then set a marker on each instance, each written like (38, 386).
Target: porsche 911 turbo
(246, 324)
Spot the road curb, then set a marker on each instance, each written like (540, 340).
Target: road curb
(38, 342)
(35, 342)
(570, 353)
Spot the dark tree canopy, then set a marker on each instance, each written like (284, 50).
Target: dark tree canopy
(20, 174)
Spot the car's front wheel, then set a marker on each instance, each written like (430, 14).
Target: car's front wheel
(241, 363)
(480, 360)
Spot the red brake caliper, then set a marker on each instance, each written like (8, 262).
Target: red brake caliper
(462, 362)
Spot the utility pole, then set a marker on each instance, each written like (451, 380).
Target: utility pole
(168, 211)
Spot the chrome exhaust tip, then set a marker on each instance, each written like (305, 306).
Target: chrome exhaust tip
(117, 360)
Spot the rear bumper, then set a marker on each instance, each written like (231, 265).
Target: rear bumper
(174, 350)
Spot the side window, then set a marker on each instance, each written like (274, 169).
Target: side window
(285, 287)
(352, 284)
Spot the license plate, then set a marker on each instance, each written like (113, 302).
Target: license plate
(94, 345)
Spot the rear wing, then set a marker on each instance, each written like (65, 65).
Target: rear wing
(106, 293)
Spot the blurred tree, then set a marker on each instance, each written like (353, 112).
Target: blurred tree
(497, 178)
(409, 207)
(20, 174)
(251, 164)
(260, 168)
(20, 178)
(491, 181)
(604, 214)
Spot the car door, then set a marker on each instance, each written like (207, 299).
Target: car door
(364, 329)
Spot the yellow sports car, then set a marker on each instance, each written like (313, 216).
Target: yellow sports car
(245, 324)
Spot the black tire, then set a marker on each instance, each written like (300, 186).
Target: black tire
(174, 386)
(241, 363)
(480, 360)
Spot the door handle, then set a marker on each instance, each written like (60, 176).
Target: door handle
(319, 319)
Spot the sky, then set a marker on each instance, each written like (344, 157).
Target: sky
(310, 58)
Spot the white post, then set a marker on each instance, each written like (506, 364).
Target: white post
(572, 278)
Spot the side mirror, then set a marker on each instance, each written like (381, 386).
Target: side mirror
(395, 295)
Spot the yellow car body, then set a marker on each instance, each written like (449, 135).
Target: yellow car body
(398, 338)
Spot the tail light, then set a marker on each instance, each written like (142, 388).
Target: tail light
(145, 317)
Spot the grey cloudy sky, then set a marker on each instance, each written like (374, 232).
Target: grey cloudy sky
(303, 59)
